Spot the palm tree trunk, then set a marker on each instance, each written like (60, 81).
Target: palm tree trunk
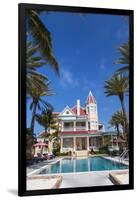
(125, 116)
(118, 132)
(33, 117)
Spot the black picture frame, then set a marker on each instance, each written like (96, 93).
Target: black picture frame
(22, 100)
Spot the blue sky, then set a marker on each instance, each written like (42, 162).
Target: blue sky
(86, 49)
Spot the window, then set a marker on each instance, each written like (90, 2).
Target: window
(67, 112)
(68, 142)
(93, 109)
(80, 123)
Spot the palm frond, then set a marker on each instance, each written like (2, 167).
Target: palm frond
(42, 37)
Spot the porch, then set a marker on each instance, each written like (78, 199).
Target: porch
(80, 145)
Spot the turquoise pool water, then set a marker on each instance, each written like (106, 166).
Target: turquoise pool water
(69, 165)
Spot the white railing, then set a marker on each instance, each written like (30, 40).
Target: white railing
(77, 128)
(68, 128)
(80, 127)
(124, 155)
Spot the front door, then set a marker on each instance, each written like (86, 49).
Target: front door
(81, 143)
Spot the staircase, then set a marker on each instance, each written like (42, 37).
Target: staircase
(81, 153)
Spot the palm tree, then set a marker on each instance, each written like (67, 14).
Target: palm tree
(48, 121)
(34, 78)
(124, 59)
(41, 37)
(38, 101)
(45, 119)
(118, 86)
(114, 123)
(117, 121)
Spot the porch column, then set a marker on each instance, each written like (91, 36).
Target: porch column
(74, 143)
(88, 143)
(61, 145)
(74, 126)
(62, 126)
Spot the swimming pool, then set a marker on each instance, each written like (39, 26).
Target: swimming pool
(70, 165)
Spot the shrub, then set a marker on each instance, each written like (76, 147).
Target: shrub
(62, 154)
(103, 149)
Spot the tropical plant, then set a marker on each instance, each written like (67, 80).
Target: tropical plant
(45, 119)
(33, 77)
(41, 37)
(124, 59)
(117, 121)
(50, 124)
(118, 86)
(38, 101)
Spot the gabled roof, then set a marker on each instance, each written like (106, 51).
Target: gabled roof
(90, 98)
(82, 110)
(67, 108)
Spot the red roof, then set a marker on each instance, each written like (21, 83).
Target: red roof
(79, 132)
(82, 110)
(90, 98)
(40, 144)
(119, 140)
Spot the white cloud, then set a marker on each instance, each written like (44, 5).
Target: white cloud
(67, 79)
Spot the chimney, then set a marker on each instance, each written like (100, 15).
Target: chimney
(78, 107)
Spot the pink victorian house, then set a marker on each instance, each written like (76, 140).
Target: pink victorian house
(80, 127)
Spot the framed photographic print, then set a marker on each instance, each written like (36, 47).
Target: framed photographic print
(75, 99)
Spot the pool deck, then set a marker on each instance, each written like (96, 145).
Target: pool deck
(80, 179)
(96, 178)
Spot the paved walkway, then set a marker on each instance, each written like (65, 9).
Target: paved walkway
(86, 179)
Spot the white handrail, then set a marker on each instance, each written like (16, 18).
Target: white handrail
(124, 153)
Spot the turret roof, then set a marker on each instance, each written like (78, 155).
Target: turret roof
(90, 98)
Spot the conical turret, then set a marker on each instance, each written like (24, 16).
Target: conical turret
(91, 110)
(90, 98)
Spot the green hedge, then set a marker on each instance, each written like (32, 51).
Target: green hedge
(62, 154)
(103, 150)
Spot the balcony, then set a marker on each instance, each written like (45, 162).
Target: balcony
(80, 128)
(68, 128)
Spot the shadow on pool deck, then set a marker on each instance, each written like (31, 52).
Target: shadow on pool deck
(39, 165)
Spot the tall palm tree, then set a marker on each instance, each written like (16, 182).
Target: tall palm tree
(33, 61)
(118, 86)
(41, 37)
(38, 102)
(124, 59)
